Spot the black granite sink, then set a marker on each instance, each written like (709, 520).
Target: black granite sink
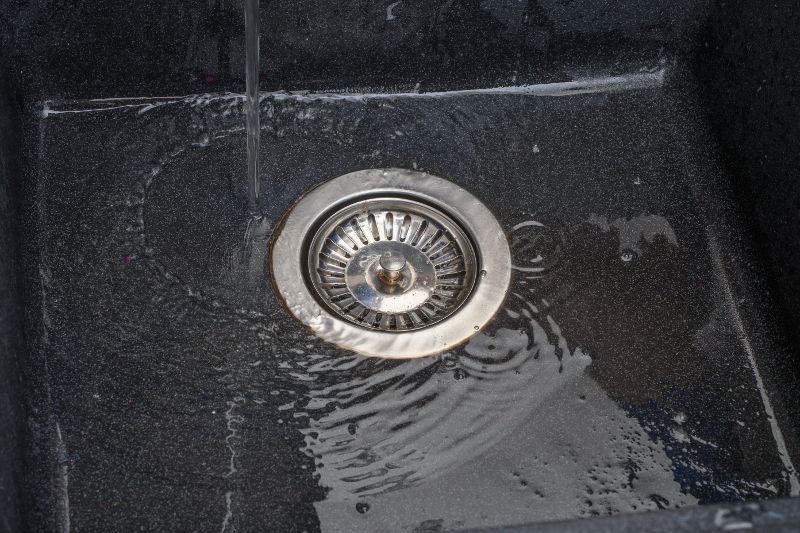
(640, 158)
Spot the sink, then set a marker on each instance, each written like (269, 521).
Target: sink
(642, 359)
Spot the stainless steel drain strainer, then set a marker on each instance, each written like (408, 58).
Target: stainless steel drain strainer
(391, 263)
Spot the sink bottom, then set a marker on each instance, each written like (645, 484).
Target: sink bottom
(622, 374)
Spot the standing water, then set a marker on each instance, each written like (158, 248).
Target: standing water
(251, 13)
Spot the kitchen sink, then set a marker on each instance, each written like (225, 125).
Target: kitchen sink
(638, 160)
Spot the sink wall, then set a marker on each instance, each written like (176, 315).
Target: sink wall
(748, 60)
(107, 48)
(11, 342)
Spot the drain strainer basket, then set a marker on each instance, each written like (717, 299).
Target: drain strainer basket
(391, 263)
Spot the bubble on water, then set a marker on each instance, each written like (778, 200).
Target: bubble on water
(362, 507)
(627, 256)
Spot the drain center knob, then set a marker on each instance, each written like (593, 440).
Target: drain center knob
(392, 264)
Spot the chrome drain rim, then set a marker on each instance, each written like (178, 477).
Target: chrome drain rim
(391, 264)
(386, 266)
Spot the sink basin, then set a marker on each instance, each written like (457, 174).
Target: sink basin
(644, 358)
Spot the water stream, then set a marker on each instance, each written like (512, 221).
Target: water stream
(251, 13)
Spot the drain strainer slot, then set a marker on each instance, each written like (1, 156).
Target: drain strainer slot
(391, 264)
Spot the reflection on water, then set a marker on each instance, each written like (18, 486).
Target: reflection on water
(395, 425)
(577, 455)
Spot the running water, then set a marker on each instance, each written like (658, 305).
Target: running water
(252, 107)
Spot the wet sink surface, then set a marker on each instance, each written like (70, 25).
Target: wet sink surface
(615, 379)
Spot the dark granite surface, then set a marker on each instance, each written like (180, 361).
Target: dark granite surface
(619, 379)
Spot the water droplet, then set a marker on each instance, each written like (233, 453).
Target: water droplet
(627, 256)
(362, 507)
(477, 328)
(483, 274)
(459, 373)
(351, 428)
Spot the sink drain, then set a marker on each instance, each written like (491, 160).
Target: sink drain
(391, 263)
